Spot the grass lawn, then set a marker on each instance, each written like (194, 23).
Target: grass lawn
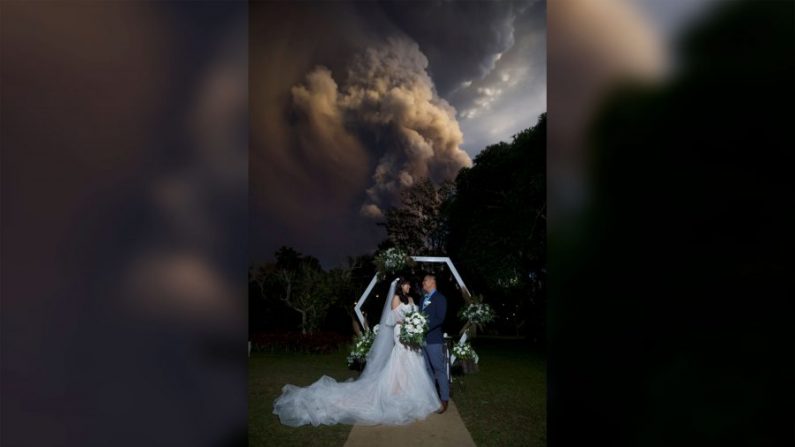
(267, 374)
(504, 404)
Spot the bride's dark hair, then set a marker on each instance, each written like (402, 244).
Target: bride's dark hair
(404, 297)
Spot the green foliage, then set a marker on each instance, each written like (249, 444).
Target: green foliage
(497, 218)
(301, 283)
(496, 223)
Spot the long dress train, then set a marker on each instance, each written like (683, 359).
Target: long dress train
(401, 392)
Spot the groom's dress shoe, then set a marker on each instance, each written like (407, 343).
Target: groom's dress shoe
(443, 408)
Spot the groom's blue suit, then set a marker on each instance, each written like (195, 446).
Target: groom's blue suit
(435, 306)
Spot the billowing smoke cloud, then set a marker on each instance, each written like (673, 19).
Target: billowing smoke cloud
(387, 107)
(340, 126)
(324, 141)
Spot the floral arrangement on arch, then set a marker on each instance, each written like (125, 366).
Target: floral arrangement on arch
(391, 261)
(465, 352)
(477, 313)
(361, 346)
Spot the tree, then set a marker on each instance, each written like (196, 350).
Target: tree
(418, 225)
(343, 287)
(496, 221)
(299, 282)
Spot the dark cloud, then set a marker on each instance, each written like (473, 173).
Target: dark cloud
(462, 40)
(512, 95)
(349, 108)
(296, 197)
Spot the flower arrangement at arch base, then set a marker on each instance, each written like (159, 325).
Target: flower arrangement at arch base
(361, 346)
(466, 358)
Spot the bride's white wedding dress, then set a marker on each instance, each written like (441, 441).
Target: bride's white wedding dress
(393, 389)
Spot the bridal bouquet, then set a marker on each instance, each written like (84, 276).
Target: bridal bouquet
(478, 313)
(413, 329)
(362, 345)
(465, 352)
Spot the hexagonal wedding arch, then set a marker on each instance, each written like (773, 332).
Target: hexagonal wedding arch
(429, 259)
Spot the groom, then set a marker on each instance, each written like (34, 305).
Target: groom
(434, 304)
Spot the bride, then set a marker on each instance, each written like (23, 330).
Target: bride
(394, 388)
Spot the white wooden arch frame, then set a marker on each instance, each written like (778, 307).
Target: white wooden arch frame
(429, 259)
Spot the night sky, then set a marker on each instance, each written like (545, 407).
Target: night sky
(353, 102)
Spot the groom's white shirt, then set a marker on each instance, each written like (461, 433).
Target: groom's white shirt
(426, 300)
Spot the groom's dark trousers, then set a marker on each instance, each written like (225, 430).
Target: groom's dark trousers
(435, 306)
(434, 360)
